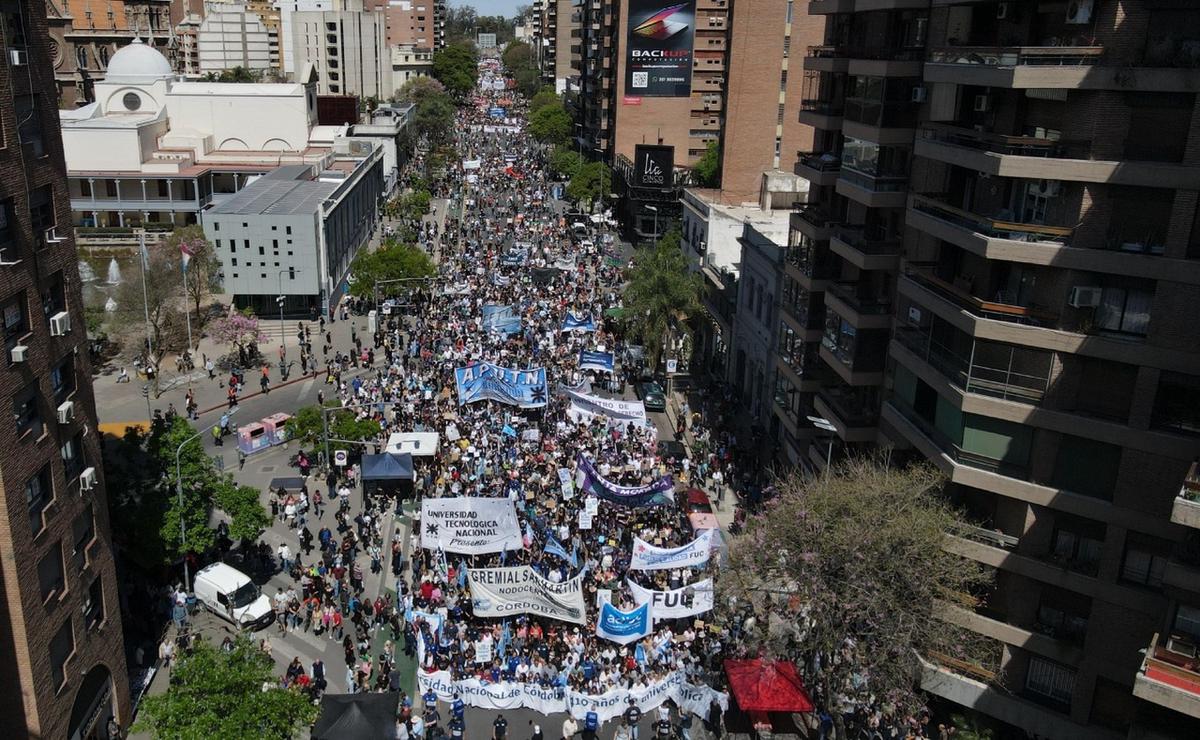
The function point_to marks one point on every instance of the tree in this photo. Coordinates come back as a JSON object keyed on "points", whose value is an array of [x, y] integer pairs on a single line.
{"points": [[242, 332], [592, 180], [202, 276], [551, 124], [456, 67], [662, 293], [218, 694], [412, 205], [707, 168], [544, 97], [235, 74], [391, 262], [517, 55], [433, 119], [307, 427], [565, 162], [247, 517], [157, 307], [846, 575], [528, 80], [419, 89]]}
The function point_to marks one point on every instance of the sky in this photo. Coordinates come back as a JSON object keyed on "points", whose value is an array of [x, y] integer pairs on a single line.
{"points": [[493, 7]]}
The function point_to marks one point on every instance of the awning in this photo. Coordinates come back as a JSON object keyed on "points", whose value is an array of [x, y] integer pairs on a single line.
{"points": [[774, 686], [357, 715], [417, 444], [388, 466]]}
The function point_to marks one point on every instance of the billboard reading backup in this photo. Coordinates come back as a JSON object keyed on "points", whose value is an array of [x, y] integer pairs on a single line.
{"points": [[659, 63], [653, 166]]}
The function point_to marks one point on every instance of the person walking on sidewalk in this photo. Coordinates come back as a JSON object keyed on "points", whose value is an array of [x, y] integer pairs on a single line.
{"points": [[265, 381]]}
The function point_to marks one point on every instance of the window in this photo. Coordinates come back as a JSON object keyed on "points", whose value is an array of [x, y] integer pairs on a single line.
{"points": [[1086, 466], [26, 412], [131, 100], [62, 648], [8, 233], [62, 379], [1051, 680], [53, 301], [93, 604], [163, 191], [1177, 403], [1077, 543], [216, 226], [1142, 565], [41, 211], [72, 456], [102, 52], [1187, 621], [15, 325], [217, 244], [50, 573], [1124, 310], [38, 496], [29, 124]]}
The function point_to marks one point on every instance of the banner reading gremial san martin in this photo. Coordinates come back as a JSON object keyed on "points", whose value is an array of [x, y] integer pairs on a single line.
{"points": [[505, 592], [660, 48], [681, 602], [649, 557], [470, 524]]}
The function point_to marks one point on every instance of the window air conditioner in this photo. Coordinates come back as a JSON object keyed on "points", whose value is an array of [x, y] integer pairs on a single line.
{"points": [[918, 94], [87, 479], [1045, 188], [66, 412], [60, 324], [981, 103], [18, 353], [1080, 11], [1084, 296]]}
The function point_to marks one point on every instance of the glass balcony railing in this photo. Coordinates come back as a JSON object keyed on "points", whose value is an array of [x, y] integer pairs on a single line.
{"points": [[1013, 56], [852, 408], [874, 183], [972, 377], [954, 449], [823, 107], [857, 237], [821, 162], [1020, 146], [997, 228], [862, 298]]}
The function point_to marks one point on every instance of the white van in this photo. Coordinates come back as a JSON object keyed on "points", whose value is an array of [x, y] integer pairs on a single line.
{"points": [[231, 595]]}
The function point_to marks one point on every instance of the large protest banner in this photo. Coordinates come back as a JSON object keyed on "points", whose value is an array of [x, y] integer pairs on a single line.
{"points": [[575, 322], [623, 627], [469, 524], [484, 381], [504, 592], [585, 407], [593, 360], [508, 695], [649, 557], [501, 319], [681, 602], [655, 494]]}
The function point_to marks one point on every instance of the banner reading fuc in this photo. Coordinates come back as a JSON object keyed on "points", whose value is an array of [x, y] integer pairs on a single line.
{"points": [[681, 602], [469, 524], [504, 592]]}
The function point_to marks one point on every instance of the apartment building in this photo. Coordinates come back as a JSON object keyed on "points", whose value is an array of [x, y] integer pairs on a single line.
{"points": [[558, 40], [439, 24], [62, 657], [236, 36], [408, 23], [347, 46], [997, 270]]}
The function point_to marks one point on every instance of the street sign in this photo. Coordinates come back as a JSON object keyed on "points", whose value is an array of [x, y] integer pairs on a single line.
{"points": [[672, 366], [340, 458], [823, 424]]}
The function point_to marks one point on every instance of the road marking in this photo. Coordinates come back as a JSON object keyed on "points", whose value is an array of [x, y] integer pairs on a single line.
{"points": [[306, 389]]}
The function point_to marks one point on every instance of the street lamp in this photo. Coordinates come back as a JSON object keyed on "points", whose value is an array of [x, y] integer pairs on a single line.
{"points": [[825, 425], [187, 579], [655, 210], [282, 331]]}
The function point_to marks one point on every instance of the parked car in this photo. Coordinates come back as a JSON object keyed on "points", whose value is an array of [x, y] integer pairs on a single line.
{"points": [[231, 595], [652, 396], [670, 448], [695, 501]]}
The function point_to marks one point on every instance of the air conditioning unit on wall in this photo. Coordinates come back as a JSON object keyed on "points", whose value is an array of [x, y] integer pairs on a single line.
{"points": [[1080, 11], [1084, 296]]}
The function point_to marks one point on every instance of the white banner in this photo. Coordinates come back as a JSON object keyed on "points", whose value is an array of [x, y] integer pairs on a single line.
{"points": [[470, 525], [585, 407], [504, 592], [483, 651], [472, 164], [681, 602], [649, 557], [607, 706]]}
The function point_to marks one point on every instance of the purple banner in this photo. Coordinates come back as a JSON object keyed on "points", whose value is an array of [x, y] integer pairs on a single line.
{"points": [[656, 494]]}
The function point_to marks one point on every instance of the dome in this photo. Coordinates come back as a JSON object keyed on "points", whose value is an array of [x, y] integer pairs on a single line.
{"points": [[138, 63]]}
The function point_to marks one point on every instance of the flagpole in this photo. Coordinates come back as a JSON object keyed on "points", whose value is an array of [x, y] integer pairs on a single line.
{"points": [[146, 308], [187, 311]]}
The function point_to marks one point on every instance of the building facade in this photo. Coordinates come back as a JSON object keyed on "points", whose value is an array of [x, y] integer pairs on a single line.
{"points": [[235, 36], [62, 656], [996, 271], [409, 62], [408, 22], [348, 48]]}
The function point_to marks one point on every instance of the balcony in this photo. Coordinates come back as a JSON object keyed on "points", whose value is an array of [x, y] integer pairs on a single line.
{"points": [[968, 375], [988, 236], [802, 372], [851, 415], [1186, 510], [814, 222], [959, 294], [897, 407], [852, 244], [1013, 66], [873, 191], [860, 305], [822, 114], [826, 59], [1170, 676], [818, 169]]}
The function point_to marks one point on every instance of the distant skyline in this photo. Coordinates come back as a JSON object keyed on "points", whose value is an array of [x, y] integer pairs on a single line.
{"points": [[507, 8]]}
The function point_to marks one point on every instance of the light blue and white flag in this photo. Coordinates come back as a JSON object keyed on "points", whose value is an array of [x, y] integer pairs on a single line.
{"points": [[592, 360], [575, 322], [623, 627], [554, 547], [501, 319]]}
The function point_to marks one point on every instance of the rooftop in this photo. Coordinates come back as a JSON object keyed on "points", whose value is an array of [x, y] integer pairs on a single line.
{"points": [[285, 191]]}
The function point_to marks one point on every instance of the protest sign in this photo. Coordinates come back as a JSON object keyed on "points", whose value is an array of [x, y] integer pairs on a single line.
{"points": [[483, 651], [585, 520], [623, 627], [585, 407], [649, 557], [575, 322], [470, 525], [501, 319], [502, 592], [655, 494], [688, 601], [484, 381], [592, 360]]}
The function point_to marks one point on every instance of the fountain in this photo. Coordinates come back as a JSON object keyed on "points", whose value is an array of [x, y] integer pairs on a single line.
{"points": [[86, 273], [110, 305], [114, 272]]}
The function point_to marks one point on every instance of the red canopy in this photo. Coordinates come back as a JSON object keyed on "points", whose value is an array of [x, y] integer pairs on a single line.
{"points": [[774, 686]]}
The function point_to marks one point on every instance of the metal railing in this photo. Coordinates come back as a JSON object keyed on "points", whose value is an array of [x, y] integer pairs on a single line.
{"points": [[1190, 489], [1022, 146], [873, 305], [992, 537], [874, 183], [853, 412], [820, 161], [1012, 56], [823, 107], [987, 226], [856, 236], [963, 372]]}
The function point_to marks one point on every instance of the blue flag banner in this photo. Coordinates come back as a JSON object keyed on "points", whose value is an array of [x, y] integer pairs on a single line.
{"points": [[515, 257], [623, 627], [575, 322], [554, 547], [502, 319], [591, 360], [484, 381], [655, 494]]}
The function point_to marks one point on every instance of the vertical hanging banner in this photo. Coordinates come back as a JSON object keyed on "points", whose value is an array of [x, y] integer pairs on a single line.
{"points": [[659, 45]]}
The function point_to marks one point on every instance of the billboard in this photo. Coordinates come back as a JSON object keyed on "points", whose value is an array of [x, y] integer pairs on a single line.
{"points": [[659, 48], [653, 166]]}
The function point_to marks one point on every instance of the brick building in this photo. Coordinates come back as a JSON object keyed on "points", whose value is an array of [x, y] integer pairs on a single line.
{"points": [[997, 270], [62, 660]]}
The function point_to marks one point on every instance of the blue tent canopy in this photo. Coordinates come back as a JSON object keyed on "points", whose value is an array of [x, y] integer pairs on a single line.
{"points": [[388, 466]]}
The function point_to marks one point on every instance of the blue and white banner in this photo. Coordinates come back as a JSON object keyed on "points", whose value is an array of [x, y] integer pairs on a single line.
{"points": [[592, 360], [496, 112], [501, 280], [584, 406], [508, 592], [472, 525], [623, 627], [688, 601], [501, 319], [575, 322], [649, 557], [515, 257], [487, 382], [655, 494]]}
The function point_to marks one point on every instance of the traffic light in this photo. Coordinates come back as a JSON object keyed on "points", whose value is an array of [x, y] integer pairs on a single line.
{"points": [[146, 390]]}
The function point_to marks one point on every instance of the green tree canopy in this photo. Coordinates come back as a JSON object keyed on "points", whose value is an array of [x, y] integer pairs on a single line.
{"points": [[393, 262], [707, 169], [217, 694], [307, 427], [517, 55], [590, 181], [848, 575], [433, 119], [550, 124], [202, 276], [544, 97], [565, 162], [456, 67], [418, 89], [660, 296]]}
